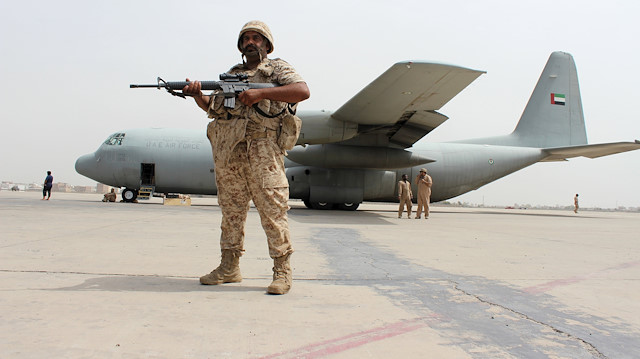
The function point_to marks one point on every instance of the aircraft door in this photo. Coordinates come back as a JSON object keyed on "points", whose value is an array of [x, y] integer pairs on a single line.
{"points": [[148, 174]]}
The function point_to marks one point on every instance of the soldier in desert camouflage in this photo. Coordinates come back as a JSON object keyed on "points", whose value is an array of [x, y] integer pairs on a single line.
{"points": [[249, 163]]}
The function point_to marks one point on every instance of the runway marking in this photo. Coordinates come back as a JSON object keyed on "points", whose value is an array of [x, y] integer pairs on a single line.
{"points": [[544, 287], [337, 345]]}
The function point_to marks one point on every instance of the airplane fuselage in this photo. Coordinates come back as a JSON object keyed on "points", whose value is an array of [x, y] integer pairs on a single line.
{"points": [[181, 161]]}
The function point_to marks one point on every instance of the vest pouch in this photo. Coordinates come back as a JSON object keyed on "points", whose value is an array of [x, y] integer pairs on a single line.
{"points": [[289, 131]]}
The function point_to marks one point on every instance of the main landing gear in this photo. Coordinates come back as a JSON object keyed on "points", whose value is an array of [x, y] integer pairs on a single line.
{"points": [[129, 195], [329, 205]]}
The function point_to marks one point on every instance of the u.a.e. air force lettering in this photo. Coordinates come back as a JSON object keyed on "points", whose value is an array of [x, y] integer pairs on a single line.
{"points": [[172, 145]]}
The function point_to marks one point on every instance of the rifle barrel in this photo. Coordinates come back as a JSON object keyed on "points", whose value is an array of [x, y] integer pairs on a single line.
{"points": [[134, 86], [206, 85], [178, 85]]}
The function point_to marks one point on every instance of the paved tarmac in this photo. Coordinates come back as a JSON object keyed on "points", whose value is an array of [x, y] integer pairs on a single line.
{"points": [[84, 279]]}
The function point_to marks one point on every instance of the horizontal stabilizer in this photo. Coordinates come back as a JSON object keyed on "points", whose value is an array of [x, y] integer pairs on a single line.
{"points": [[590, 151]]}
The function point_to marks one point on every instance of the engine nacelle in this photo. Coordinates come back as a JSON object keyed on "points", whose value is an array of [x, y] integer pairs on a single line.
{"points": [[320, 127], [360, 157]]}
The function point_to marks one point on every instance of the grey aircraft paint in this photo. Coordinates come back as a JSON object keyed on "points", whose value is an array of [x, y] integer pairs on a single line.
{"points": [[359, 152]]}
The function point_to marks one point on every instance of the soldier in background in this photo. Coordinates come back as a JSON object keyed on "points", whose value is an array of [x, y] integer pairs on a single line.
{"points": [[249, 164], [404, 195], [424, 182], [110, 197], [575, 204]]}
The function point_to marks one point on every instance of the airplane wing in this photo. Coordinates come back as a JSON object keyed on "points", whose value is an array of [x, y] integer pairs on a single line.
{"points": [[590, 151], [401, 104]]}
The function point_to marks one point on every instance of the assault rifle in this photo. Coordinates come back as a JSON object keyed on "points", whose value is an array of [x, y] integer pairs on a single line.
{"points": [[230, 85]]}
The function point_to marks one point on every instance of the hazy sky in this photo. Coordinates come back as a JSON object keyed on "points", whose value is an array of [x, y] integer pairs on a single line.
{"points": [[66, 66]]}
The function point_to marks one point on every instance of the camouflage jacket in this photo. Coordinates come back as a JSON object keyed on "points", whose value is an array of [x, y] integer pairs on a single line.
{"points": [[231, 126]]}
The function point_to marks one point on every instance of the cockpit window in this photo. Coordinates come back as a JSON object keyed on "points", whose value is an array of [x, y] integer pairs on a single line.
{"points": [[115, 139]]}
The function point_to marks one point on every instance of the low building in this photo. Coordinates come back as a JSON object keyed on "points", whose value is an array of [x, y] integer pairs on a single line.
{"points": [[83, 189], [61, 187], [103, 188]]}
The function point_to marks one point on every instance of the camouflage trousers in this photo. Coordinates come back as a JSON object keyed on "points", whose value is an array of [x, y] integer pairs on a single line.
{"points": [[254, 172]]}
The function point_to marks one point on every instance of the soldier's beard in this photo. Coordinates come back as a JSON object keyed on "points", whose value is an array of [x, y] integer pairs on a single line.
{"points": [[252, 52]]}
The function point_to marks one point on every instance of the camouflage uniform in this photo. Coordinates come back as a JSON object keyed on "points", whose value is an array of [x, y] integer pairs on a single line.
{"points": [[405, 196], [249, 164], [424, 192]]}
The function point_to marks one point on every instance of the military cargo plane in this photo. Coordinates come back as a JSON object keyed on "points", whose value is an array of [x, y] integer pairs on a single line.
{"points": [[359, 152]]}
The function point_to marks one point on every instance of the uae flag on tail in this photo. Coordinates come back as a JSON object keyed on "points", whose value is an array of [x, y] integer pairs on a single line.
{"points": [[557, 99]]}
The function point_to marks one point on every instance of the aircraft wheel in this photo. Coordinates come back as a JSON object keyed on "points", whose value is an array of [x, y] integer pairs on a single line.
{"points": [[348, 206], [129, 195], [321, 205], [307, 203]]}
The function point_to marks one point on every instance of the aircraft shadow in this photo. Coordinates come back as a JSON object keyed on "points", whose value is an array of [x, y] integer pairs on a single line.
{"points": [[319, 216]]}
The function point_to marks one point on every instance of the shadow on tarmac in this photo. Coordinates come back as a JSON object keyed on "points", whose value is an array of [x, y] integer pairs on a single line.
{"points": [[312, 216], [125, 283]]}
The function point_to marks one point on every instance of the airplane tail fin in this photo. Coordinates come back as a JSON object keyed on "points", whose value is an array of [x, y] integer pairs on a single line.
{"points": [[553, 116]]}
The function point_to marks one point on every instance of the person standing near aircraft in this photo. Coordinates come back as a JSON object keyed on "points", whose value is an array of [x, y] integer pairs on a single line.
{"points": [[424, 183], [404, 195], [48, 183], [248, 162], [575, 204]]}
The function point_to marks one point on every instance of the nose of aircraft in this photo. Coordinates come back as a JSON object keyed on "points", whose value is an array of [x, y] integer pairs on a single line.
{"points": [[86, 165]]}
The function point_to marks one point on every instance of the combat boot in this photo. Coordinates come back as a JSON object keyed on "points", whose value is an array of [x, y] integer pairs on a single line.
{"points": [[227, 272], [282, 275]]}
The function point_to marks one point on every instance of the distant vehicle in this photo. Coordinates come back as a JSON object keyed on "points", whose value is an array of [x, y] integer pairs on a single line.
{"points": [[360, 151], [15, 188]]}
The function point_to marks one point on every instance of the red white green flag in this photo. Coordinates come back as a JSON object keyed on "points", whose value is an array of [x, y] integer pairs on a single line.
{"points": [[557, 99]]}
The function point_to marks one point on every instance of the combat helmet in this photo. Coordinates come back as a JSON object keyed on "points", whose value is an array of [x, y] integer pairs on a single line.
{"points": [[259, 27]]}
